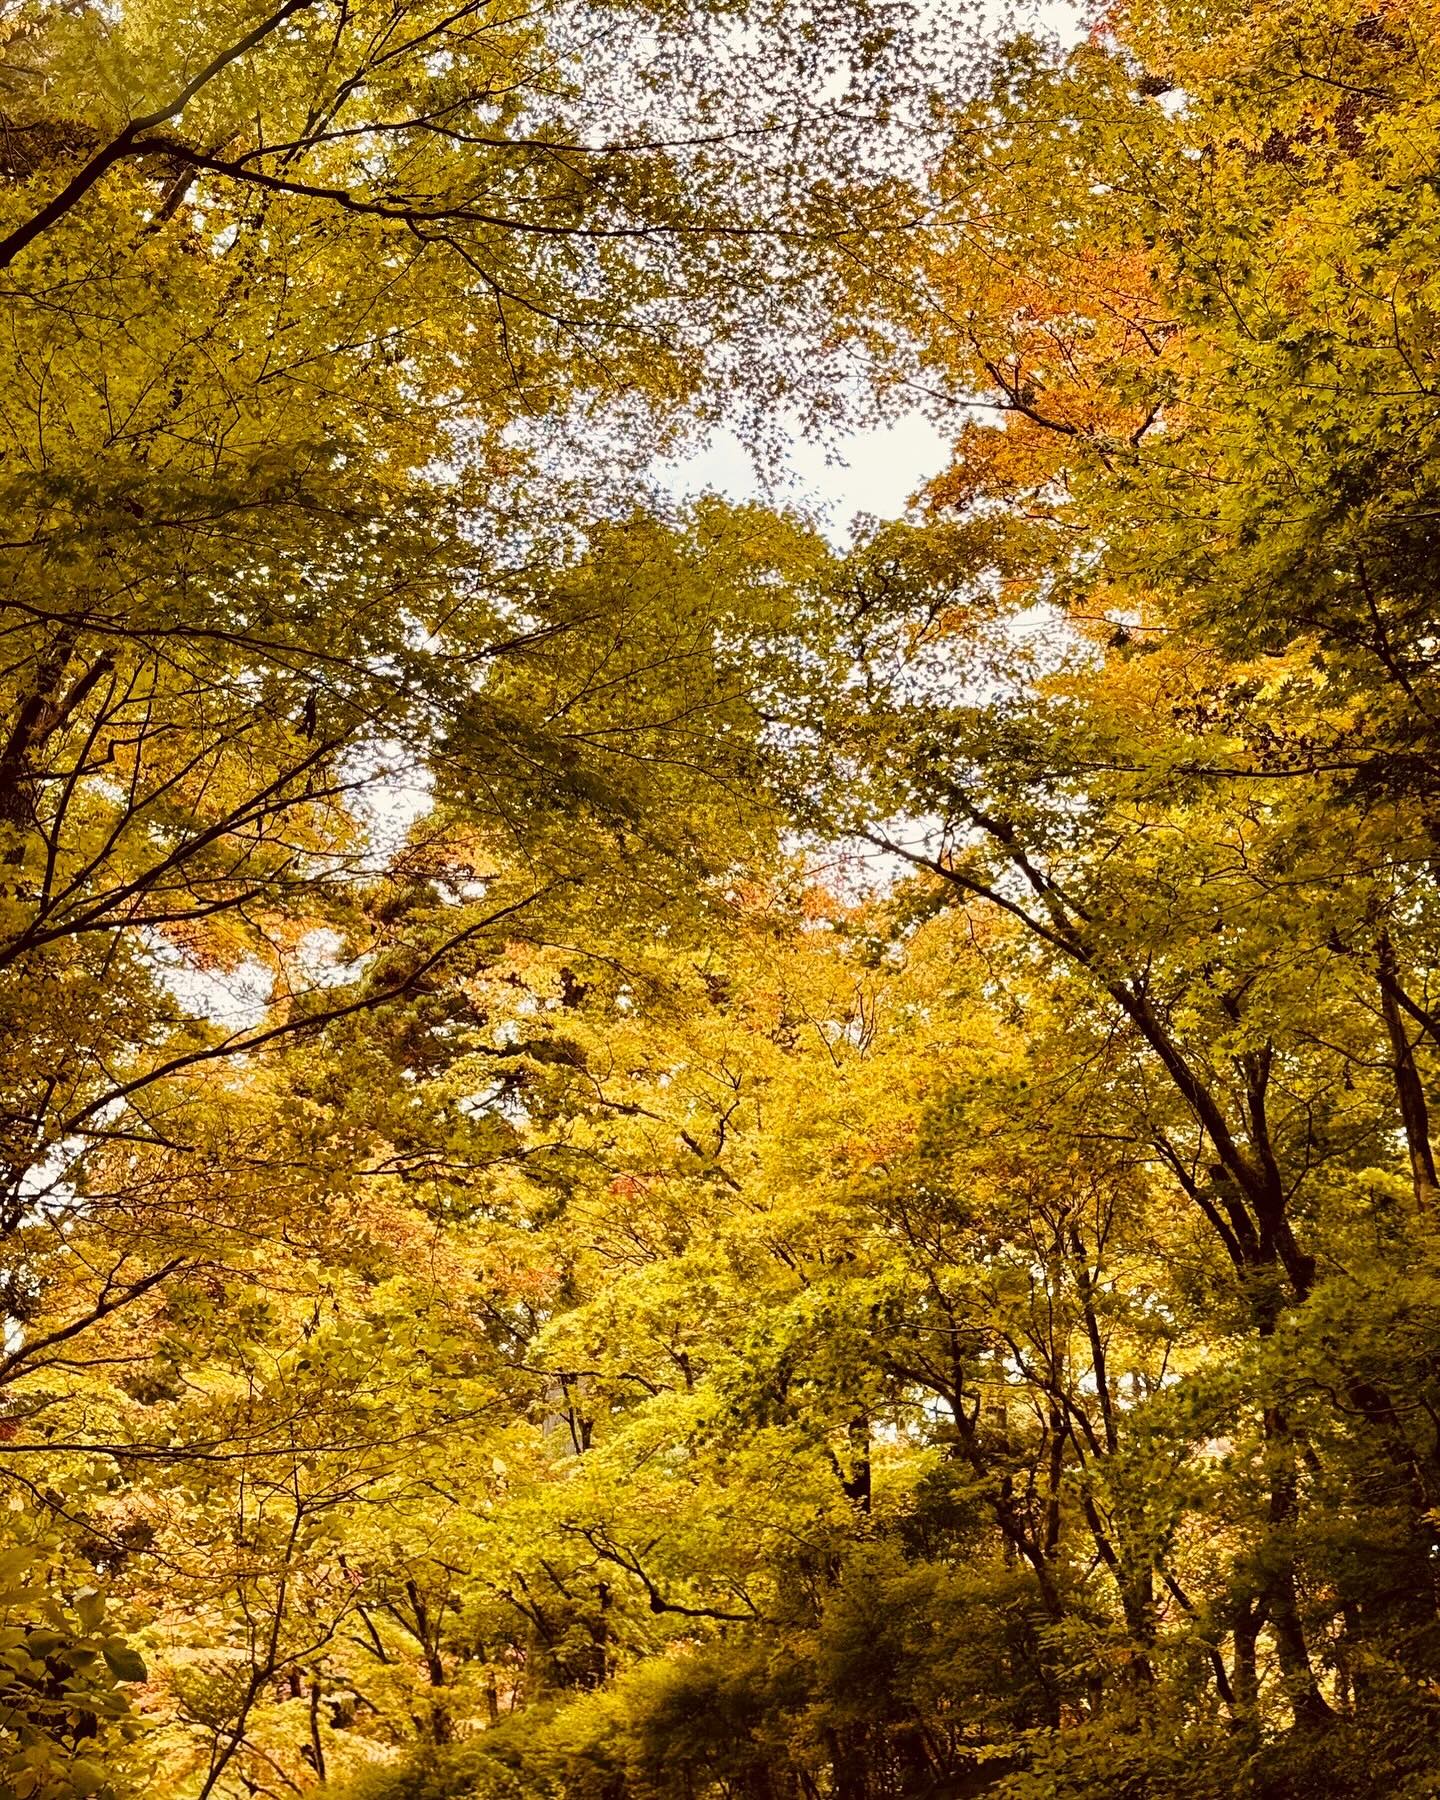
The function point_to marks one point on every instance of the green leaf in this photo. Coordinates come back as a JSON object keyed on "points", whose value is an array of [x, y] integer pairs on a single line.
{"points": [[90, 1608], [125, 1663]]}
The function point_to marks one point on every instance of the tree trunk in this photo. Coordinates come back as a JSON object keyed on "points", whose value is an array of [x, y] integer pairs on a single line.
{"points": [[1409, 1089]]}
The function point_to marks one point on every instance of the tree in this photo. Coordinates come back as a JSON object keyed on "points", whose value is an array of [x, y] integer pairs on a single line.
{"points": [[342, 643], [839, 1200]]}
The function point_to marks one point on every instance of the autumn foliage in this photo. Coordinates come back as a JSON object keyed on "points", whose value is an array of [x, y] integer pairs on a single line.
{"points": [[641, 1157]]}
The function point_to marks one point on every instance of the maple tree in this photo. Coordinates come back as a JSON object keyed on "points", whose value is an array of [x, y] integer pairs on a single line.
{"points": [[642, 1157]]}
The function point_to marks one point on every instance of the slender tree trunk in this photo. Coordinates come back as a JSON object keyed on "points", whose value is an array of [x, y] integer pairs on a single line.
{"points": [[1245, 1669], [1409, 1089], [1310, 1708], [847, 1768], [317, 1749]]}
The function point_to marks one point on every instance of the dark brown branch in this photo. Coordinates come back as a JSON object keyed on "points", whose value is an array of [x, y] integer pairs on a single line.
{"points": [[126, 143]]}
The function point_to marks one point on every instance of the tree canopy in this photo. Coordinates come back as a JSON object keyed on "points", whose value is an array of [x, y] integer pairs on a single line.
{"points": [[644, 1157]]}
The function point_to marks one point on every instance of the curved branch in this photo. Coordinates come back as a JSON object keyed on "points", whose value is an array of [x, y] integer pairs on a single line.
{"points": [[127, 142]]}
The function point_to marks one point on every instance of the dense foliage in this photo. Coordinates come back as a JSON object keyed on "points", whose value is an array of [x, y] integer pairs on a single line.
{"points": [[642, 1159]]}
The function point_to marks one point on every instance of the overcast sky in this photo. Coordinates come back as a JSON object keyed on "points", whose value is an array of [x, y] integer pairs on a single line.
{"points": [[874, 471]]}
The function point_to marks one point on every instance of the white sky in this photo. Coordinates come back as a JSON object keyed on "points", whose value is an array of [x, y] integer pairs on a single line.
{"points": [[872, 471]]}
